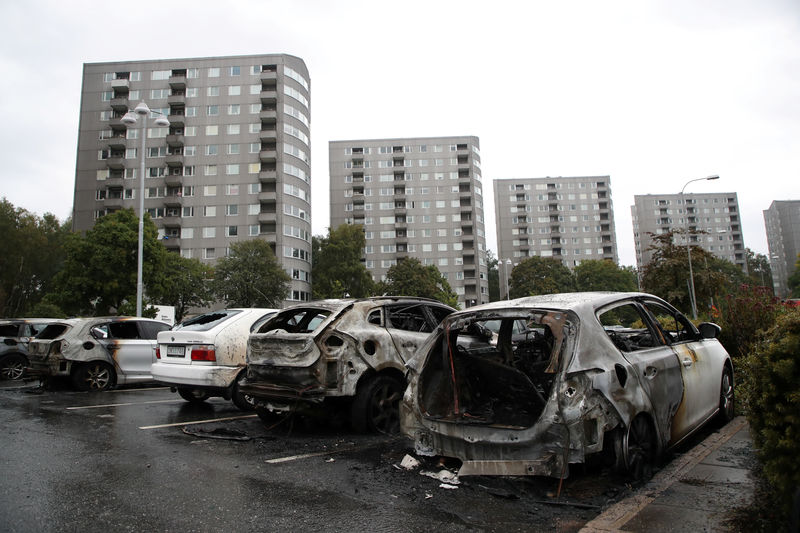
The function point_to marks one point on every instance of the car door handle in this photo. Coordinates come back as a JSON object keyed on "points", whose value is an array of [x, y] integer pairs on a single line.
{"points": [[687, 362], [650, 372]]}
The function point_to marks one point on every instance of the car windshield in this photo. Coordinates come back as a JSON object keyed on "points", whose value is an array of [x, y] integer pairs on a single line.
{"points": [[302, 320], [207, 321]]}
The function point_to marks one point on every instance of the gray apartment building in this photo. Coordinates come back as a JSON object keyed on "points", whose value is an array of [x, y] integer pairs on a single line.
{"points": [[415, 197], [782, 221], [715, 214], [233, 164], [566, 218]]}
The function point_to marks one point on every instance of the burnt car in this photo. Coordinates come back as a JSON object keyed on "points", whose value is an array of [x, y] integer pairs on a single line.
{"points": [[96, 353], [351, 354], [15, 334], [617, 377]]}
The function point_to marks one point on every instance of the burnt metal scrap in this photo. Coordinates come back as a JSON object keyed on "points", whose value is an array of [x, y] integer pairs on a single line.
{"points": [[560, 379]]}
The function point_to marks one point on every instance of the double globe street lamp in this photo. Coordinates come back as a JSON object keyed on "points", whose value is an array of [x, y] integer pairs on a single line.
{"points": [[130, 119], [688, 243]]}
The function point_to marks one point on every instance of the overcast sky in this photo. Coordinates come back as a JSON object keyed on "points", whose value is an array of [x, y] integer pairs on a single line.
{"points": [[651, 93]]}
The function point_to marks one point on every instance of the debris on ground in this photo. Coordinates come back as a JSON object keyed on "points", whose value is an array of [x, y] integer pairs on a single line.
{"points": [[217, 433], [409, 462], [445, 476]]}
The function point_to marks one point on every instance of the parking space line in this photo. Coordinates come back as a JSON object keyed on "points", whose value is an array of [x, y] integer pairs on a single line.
{"points": [[174, 400], [329, 452], [139, 390], [198, 422]]}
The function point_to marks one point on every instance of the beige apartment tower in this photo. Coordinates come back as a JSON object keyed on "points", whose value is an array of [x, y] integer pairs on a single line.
{"points": [[566, 218], [415, 197], [234, 163], [714, 214]]}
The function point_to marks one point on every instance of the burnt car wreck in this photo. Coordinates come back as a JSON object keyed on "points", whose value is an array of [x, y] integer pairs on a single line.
{"points": [[530, 386]]}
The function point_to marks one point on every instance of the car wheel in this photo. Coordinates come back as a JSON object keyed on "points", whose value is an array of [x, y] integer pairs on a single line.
{"points": [[242, 401], [637, 450], [13, 366], [376, 406], [193, 395], [726, 396], [94, 376]]}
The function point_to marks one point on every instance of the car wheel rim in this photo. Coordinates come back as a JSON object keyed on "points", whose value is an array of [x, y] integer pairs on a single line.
{"points": [[640, 449], [97, 377], [13, 370], [384, 413], [726, 396]]}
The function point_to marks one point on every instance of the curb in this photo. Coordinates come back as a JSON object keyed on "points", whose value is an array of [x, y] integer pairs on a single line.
{"points": [[619, 514]]}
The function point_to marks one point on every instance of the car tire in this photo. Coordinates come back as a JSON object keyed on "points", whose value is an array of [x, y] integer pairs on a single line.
{"points": [[636, 449], [94, 376], [242, 401], [195, 396], [376, 405], [13, 366], [727, 407]]}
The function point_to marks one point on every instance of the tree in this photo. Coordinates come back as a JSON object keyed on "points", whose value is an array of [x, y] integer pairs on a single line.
{"points": [[100, 270], [337, 268], [758, 268], [184, 283], [603, 275], [250, 276], [494, 276], [410, 278], [793, 282], [540, 275], [33, 252], [667, 274]]}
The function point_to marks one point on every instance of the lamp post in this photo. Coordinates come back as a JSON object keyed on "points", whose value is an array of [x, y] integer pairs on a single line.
{"points": [[688, 244], [508, 268], [129, 120]]}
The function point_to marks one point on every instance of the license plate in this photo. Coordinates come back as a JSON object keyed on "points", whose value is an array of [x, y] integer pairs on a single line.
{"points": [[175, 351]]}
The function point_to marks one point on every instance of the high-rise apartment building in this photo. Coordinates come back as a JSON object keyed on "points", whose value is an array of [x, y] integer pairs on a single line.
{"points": [[570, 219], [714, 214], [782, 221], [233, 164], [417, 197]]}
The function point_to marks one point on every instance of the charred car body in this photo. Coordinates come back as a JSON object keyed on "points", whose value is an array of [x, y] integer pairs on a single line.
{"points": [[205, 355], [96, 353], [15, 334], [353, 351], [619, 376]]}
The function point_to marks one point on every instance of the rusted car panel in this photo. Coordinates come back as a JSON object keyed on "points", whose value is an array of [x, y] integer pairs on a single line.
{"points": [[592, 366], [122, 347], [332, 348], [15, 335]]}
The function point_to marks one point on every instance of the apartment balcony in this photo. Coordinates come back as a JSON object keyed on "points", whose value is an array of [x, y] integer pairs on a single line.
{"points": [[172, 222], [268, 218], [120, 104], [113, 203], [114, 183], [175, 141], [176, 120], [268, 116], [117, 142], [173, 201], [177, 81], [115, 123], [268, 176], [120, 85], [173, 180], [174, 160], [171, 242], [269, 77], [267, 197], [268, 135], [116, 163], [269, 96], [175, 99], [268, 156]]}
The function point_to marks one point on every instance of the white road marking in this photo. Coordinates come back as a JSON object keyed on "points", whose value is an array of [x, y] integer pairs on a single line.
{"points": [[198, 422], [174, 400], [318, 454], [139, 390]]}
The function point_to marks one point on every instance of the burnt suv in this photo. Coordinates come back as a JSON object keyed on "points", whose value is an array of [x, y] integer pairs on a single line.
{"points": [[15, 334], [345, 353]]}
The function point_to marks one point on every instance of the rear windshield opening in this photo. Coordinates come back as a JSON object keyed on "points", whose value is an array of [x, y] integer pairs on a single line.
{"points": [[296, 320], [53, 331], [501, 369], [206, 321]]}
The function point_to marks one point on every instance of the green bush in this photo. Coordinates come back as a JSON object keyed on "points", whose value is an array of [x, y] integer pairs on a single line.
{"points": [[744, 315], [773, 395]]}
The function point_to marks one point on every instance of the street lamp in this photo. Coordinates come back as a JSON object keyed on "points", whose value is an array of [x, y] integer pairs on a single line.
{"points": [[129, 120], [508, 267], [688, 244]]}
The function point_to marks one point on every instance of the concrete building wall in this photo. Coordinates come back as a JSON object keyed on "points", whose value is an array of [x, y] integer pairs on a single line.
{"points": [[782, 222], [716, 214], [567, 218], [416, 197], [234, 164]]}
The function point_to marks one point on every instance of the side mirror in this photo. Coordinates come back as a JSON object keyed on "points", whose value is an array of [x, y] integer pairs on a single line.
{"points": [[709, 330]]}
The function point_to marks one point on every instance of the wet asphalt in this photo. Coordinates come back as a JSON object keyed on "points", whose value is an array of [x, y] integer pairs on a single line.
{"points": [[137, 460]]}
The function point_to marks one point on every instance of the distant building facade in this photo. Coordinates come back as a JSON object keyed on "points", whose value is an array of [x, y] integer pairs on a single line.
{"points": [[415, 197], [234, 164], [782, 221], [716, 214], [567, 218]]}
